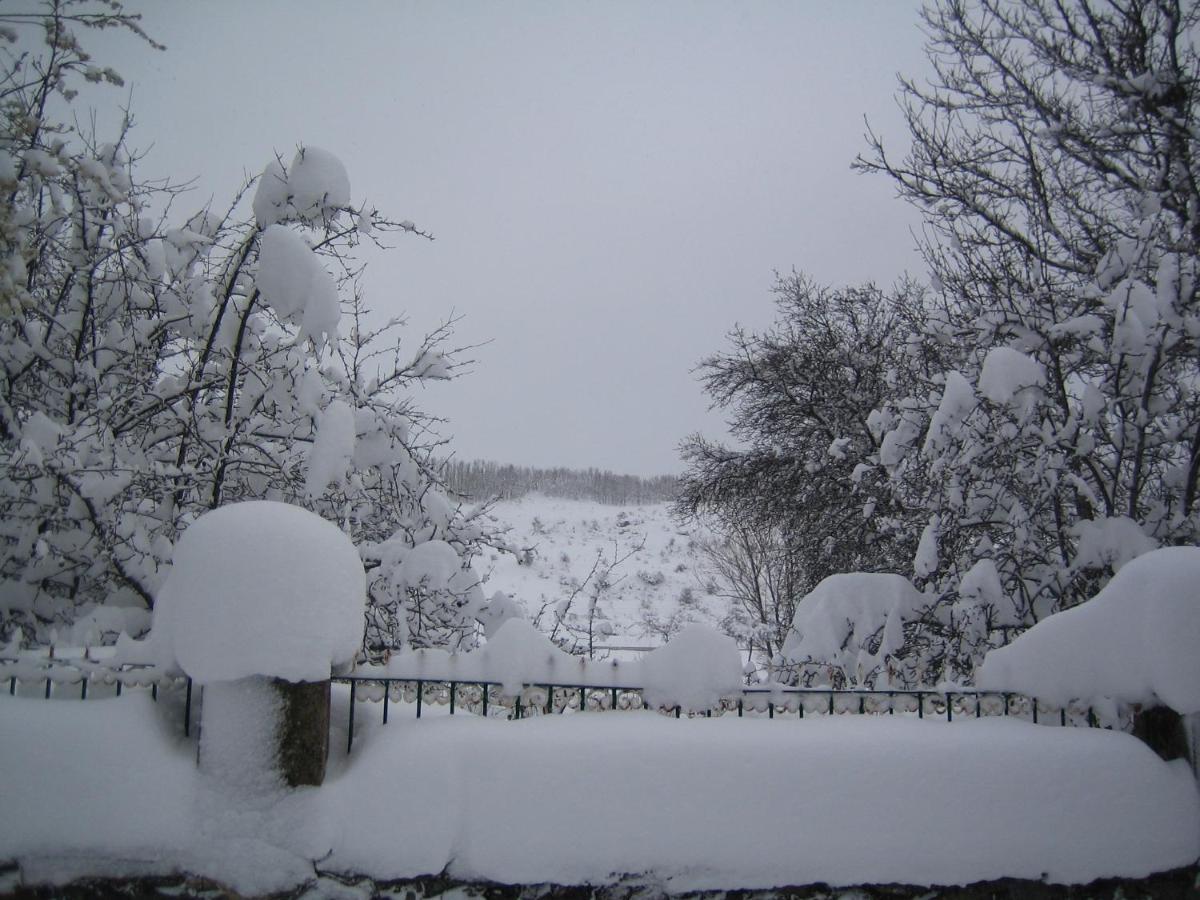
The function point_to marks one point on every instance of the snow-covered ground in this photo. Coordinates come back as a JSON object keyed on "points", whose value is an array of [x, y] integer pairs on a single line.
{"points": [[658, 585], [109, 786]]}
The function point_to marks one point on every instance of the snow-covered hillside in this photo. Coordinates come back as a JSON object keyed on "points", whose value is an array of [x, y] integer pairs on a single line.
{"points": [[634, 574]]}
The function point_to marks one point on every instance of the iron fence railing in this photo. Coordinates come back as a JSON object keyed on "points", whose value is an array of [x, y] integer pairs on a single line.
{"points": [[488, 698], [55, 675]]}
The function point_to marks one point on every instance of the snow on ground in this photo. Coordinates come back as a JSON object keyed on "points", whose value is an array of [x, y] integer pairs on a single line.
{"points": [[108, 786], [658, 590]]}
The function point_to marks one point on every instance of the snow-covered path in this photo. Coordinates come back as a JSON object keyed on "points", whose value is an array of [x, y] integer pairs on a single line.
{"points": [[106, 787]]}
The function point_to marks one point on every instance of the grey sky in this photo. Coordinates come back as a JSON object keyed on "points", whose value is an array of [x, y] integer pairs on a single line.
{"points": [[611, 184]]}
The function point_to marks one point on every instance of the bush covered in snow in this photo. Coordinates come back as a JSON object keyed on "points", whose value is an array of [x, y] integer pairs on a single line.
{"points": [[1136, 641], [155, 369]]}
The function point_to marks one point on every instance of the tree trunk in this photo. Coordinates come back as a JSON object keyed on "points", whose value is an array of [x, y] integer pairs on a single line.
{"points": [[303, 737]]}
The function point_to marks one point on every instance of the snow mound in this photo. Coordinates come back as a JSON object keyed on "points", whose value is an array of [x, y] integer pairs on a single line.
{"points": [[694, 670], [318, 183], [315, 187], [694, 804], [500, 608], [1007, 372], [834, 623], [332, 449], [518, 654], [1135, 641], [1110, 542], [295, 285], [262, 588]]}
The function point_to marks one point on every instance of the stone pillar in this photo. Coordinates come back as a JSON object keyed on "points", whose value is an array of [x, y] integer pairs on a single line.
{"points": [[303, 737]]}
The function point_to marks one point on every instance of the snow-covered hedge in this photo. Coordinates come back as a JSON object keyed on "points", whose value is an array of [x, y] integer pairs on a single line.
{"points": [[1137, 641]]}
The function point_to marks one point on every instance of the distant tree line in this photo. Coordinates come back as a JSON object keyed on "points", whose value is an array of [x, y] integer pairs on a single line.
{"points": [[484, 479]]}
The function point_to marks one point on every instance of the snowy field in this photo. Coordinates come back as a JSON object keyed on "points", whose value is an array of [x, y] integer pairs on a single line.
{"points": [[683, 804], [656, 580]]}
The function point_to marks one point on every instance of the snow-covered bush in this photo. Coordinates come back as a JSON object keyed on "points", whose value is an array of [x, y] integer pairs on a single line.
{"points": [[852, 631], [151, 371], [694, 670], [1135, 642]]}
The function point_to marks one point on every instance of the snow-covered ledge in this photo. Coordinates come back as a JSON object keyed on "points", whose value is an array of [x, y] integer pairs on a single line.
{"points": [[262, 601], [1136, 642]]}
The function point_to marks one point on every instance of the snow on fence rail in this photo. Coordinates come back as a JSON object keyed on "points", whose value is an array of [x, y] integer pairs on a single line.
{"points": [[774, 700], [57, 672]]}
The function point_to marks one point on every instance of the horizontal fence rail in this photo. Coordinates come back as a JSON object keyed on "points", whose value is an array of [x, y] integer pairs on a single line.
{"points": [[61, 675], [487, 698]]}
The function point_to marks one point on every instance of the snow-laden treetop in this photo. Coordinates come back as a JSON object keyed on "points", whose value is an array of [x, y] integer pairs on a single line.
{"points": [[262, 588], [1136, 641]]}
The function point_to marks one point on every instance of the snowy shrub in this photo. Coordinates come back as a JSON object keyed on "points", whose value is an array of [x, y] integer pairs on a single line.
{"points": [[652, 579], [154, 370], [695, 670], [1134, 642]]}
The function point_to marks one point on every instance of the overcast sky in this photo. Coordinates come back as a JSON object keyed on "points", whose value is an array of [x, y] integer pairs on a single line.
{"points": [[611, 185]]}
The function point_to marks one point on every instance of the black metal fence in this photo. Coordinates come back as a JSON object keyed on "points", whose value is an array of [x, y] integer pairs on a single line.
{"points": [[56, 676], [487, 698]]}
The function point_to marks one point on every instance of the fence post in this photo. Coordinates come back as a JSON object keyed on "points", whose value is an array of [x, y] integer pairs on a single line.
{"points": [[187, 710], [350, 729]]}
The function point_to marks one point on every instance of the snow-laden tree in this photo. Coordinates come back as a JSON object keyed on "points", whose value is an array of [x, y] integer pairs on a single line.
{"points": [[799, 397], [1054, 154], [151, 372]]}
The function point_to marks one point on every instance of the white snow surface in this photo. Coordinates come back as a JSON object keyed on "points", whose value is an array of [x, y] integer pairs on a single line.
{"points": [[958, 399], [1135, 641], [834, 621], [262, 588], [318, 183], [693, 670], [295, 284], [1110, 541], [332, 449], [315, 186], [1007, 372], [662, 586], [681, 804]]}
